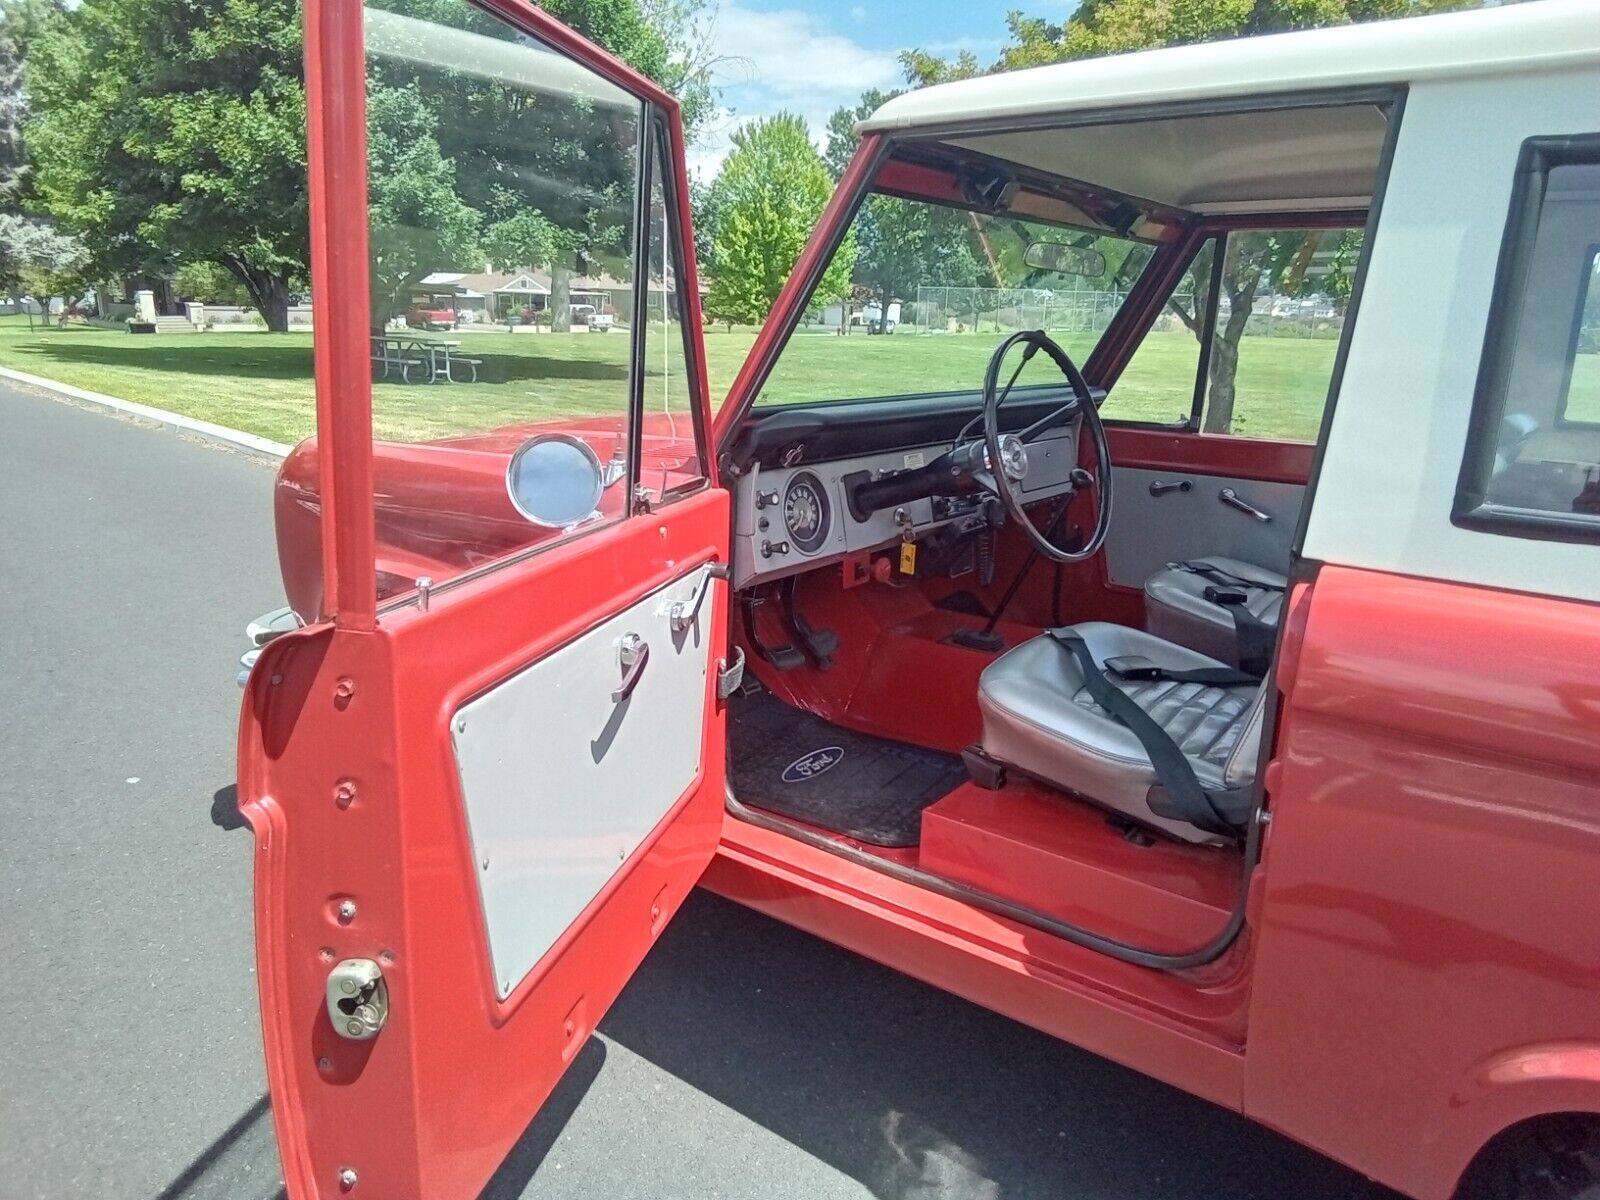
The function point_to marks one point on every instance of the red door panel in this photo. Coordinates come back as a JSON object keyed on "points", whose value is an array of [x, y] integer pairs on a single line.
{"points": [[1430, 911], [349, 780], [1210, 454]]}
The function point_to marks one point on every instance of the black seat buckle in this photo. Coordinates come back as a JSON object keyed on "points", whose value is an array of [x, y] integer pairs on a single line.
{"points": [[1225, 596], [1134, 666]]}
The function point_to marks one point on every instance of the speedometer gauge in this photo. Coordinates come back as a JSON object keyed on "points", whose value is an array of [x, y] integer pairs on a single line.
{"points": [[805, 512]]}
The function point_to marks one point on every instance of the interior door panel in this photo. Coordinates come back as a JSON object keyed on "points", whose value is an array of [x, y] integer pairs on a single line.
{"points": [[552, 817], [1162, 515]]}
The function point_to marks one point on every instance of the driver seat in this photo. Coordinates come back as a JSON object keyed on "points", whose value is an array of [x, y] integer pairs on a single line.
{"points": [[1039, 718]]}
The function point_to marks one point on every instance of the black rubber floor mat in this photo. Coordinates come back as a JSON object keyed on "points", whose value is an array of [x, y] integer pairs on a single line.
{"points": [[798, 765]]}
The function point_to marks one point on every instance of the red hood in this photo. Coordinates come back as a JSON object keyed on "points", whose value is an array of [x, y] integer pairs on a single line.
{"points": [[442, 506]]}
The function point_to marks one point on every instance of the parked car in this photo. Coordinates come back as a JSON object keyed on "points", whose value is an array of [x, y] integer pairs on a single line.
{"points": [[1236, 723], [422, 317], [593, 318]]}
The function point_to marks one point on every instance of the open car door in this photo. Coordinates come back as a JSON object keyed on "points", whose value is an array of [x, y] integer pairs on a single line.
{"points": [[477, 797]]}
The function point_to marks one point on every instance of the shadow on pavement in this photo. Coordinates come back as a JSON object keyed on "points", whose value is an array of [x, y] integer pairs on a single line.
{"points": [[510, 1181], [242, 1164], [225, 812], [917, 1093]]}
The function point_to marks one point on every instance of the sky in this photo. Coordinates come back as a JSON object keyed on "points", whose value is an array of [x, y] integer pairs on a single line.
{"points": [[784, 55]]}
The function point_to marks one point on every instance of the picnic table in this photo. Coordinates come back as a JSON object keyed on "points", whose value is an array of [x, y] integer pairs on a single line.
{"points": [[432, 360]]}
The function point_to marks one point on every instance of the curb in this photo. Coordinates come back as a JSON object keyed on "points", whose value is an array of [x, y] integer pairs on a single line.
{"points": [[172, 420]]}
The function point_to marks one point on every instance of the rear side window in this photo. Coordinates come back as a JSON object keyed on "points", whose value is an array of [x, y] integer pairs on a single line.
{"points": [[1532, 463]]}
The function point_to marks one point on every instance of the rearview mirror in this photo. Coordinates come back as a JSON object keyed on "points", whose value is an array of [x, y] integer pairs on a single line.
{"points": [[1064, 259], [555, 480]]}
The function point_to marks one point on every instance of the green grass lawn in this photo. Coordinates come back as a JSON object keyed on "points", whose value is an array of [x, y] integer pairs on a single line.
{"points": [[262, 383]]}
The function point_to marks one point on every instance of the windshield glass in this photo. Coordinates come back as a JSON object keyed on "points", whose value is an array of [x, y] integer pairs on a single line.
{"points": [[919, 294]]}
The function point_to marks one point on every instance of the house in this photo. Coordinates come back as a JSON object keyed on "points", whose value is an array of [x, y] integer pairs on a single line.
{"points": [[491, 296]]}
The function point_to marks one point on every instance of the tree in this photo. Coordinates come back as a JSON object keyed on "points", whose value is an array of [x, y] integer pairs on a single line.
{"points": [[842, 136], [170, 132], [41, 261], [21, 22], [173, 131], [768, 197], [903, 245], [1098, 27]]}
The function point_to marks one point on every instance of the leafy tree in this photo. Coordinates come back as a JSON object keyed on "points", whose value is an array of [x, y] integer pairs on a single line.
{"points": [[842, 136], [417, 221], [768, 196], [173, 131], [41, 261], [903, 245], [511, 149], [166, 132], [21, 22], [1098, 27]]}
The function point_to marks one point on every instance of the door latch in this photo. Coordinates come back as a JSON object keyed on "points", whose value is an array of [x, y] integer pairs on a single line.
{"points": [[358, 999]]}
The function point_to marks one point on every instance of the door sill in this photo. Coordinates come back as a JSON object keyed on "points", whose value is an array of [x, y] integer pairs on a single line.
{"points": [[1123, 951]]}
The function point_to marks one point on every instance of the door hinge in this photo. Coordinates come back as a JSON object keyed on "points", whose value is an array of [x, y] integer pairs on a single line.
{"points": [[730, 674]]}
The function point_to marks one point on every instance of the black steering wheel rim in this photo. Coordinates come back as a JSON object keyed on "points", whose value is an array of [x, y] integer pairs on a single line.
{"points": [[1008, 489]]}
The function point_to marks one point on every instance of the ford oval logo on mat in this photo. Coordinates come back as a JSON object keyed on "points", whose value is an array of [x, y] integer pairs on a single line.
{"points": [[809, 766]]}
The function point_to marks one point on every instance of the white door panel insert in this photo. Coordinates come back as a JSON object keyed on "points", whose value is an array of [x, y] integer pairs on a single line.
{"points": [[562, 783]]}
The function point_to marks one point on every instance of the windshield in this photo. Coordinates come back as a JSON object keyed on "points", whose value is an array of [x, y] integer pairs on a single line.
{"points": [[919, 294]]}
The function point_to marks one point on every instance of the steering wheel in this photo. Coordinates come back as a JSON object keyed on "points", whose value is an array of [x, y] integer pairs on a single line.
{"points": [[1008, 454]]}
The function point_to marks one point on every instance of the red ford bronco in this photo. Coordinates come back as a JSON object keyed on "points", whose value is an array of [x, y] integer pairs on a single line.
{"points": [[1183, 636]]}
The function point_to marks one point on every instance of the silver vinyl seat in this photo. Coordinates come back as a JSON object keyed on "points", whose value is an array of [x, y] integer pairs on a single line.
{"points": [[1040, 719], [1176, 608]]}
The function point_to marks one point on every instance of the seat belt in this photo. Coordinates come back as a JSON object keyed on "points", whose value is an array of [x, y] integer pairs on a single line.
{"points": [[1256, 639], [1217, 811]]}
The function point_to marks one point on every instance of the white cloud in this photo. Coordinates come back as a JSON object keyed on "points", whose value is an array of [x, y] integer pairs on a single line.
{"points": [[783, 61], [787, 53]]}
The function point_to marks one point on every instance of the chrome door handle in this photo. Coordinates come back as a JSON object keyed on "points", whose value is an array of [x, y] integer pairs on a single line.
{"points": [[1160, 487], [634, 654], [682, 613], [1232, 499]]}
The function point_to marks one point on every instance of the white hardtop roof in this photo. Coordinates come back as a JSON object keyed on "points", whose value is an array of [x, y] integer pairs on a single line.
{"points": [[1546, 35]]}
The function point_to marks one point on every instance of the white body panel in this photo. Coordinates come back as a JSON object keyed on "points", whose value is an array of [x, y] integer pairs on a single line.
{"points": [[1477, 45], [1388, 480], [561, 784]]}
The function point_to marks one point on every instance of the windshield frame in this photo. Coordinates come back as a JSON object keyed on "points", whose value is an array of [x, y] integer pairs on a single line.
{"points": [[914, 179]]}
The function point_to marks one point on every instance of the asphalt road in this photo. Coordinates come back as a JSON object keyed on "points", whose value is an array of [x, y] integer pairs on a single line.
{"points": [[745, 1060]]}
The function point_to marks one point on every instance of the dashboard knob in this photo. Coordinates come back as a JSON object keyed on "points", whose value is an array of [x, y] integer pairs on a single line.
{"points": [[766, 499], [769, 548]]}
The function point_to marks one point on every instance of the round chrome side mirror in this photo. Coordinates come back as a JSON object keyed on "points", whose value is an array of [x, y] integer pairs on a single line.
{"points": [[555, 480]]}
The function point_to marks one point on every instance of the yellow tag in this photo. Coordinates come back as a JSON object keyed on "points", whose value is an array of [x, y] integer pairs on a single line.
{"points": [[908, 558]]}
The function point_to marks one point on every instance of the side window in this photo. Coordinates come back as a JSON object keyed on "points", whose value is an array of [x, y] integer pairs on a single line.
{"points": [[1246, 350], [1158, 385], [670, 455], [1532, 462], [503, 194], [1280, 311]]}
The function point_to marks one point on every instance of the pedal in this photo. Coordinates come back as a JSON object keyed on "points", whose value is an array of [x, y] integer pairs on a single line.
{"points": [[990, 641]]}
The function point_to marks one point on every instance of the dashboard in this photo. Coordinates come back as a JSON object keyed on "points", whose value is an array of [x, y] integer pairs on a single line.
{"points": [[791, 508]]}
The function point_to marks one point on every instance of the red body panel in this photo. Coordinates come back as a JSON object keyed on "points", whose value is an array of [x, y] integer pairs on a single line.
{"points": [[394, 1108], [1426, 973], [1170, 1026]]}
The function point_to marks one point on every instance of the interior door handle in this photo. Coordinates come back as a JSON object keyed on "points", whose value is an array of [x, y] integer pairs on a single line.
{"points": [[1160, 487], [682, 613], [634, 654], [1232, 499]]}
